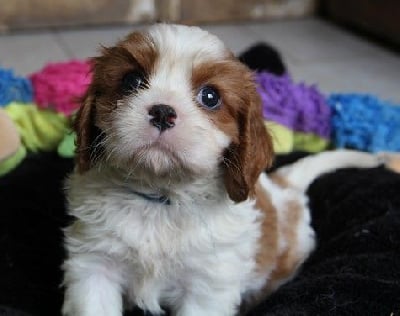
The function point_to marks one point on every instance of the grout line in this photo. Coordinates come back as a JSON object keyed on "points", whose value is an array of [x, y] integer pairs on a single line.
{"points": [[63, 44]]}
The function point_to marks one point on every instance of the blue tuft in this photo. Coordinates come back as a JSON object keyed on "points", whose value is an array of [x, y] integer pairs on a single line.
{"points": [[364, 122], [13, 88]]}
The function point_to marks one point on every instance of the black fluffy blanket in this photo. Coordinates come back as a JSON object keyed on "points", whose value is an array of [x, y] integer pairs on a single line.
{"points": [[355, 269]]}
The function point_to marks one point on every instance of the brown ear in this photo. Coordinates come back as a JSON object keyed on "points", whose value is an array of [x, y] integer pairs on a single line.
{"points": [[86, 132], [249, 157]]}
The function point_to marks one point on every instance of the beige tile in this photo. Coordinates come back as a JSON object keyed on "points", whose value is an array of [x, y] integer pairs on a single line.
{"points": [[380, 77], [236, 37], [309, 40], [27, 53], [315, 51], [86, 43]]}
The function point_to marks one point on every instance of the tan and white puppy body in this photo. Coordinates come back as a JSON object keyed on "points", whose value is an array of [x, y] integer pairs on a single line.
{"points": [[171, 204]]}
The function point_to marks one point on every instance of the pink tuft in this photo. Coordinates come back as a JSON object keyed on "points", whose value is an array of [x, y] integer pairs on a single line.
{"points": [[60, 85]]}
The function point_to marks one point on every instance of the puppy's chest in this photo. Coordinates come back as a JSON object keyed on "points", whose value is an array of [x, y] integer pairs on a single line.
{"points": [[156, 236], [163, 247]]}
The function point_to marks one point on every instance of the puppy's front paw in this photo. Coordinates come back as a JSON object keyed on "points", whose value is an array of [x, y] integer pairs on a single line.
{"points": [[92, 287], [215, 306]]}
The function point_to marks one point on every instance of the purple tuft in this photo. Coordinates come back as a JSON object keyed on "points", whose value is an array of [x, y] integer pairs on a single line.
{"points": [[297, 106]]}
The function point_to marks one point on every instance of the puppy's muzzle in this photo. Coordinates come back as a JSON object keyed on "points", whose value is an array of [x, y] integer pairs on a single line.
{"points": [[163, 116]]}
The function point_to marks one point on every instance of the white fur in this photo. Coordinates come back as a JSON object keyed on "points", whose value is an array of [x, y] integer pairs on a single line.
{"points": [[305, 236], [196, 255], [195, 46], [303, 172]]}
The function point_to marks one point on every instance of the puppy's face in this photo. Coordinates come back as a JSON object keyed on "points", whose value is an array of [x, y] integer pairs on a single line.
{"points": [[174, 102]]}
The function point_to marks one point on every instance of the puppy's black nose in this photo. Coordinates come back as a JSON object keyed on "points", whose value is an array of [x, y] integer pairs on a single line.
{"points": [[163, 116]]}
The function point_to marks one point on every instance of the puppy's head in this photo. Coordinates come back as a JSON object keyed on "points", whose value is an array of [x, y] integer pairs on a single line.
{"points": [[174, 102]]}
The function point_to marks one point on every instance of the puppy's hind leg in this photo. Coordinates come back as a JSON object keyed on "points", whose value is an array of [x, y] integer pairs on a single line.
{"points": [[391, 160], [304, 171]]}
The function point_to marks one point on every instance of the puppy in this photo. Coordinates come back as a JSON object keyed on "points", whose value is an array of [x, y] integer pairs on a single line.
{"points": [[170, 201]]}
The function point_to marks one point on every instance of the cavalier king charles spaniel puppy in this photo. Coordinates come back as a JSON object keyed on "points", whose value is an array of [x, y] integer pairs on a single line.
{"points": [[170, 203]]}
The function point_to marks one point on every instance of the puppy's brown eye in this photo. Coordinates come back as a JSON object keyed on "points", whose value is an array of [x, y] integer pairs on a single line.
{"points": [[132, 81], [209, 97]]}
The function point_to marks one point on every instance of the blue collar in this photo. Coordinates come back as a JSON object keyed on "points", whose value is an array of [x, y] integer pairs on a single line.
{"points": [[155, 198]]}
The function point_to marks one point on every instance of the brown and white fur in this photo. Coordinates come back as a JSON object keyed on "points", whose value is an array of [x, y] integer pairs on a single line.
{"points": [[229, 233]]}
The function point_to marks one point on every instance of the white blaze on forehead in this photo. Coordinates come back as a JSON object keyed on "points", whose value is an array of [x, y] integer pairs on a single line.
{"points": [[180, 49], [182, 43]]}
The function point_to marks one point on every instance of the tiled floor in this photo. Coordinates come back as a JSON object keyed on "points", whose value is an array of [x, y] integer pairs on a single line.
{"points": [[314, 50]]}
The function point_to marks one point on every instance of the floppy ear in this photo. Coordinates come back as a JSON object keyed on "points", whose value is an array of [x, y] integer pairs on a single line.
{"points": [[86, 131], [245, 160]]}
